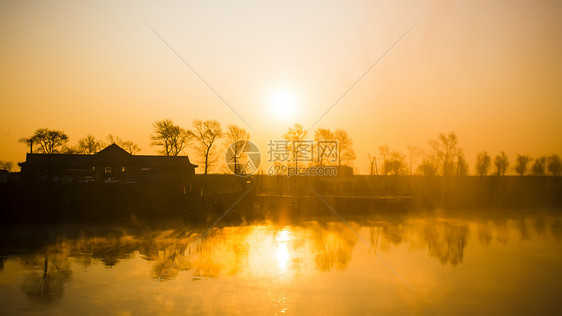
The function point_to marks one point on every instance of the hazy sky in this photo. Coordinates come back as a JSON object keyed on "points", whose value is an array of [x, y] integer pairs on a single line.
{"points": [[488, 70]]}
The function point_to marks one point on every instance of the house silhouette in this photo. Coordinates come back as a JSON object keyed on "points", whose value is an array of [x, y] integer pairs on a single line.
{"points": [[113, 164]]}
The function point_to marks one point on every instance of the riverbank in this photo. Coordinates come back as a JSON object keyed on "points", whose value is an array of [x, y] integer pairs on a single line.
{"points": [[207, 197]]}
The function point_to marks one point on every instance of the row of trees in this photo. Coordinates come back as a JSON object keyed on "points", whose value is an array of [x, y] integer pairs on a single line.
{"points": [[173, 139], [501, 163], [47, 141], [170, 138], [344, 148], [447, 158]]}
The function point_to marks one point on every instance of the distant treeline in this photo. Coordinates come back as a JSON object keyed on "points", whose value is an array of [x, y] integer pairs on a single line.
{"points": [[445, 156]]}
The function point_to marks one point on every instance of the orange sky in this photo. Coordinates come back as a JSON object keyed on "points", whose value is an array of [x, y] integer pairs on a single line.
{"points": [[488, 70]]}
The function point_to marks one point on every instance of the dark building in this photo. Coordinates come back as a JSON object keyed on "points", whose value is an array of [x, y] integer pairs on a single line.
{"points": [[111, 165]]}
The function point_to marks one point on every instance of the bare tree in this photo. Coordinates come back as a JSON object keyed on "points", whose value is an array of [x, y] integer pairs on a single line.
{"points": [[393, 161], [345, 146], [206, 133], [322, 135], [295, 134], [396, 163], [521, 164], [554, 165], [373, 169], [429, 165], [446, 148], [501, 162], [89, 145], [483, 161], [130, 147], [237, 139], [172, 138], [127, 145], [539, 166], [113, 139], [414, 153], [70, 150], [384, 153], [49, 141]]}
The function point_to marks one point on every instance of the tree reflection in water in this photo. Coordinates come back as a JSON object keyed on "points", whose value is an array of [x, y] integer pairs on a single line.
{"points": [[46, 277], [264, 251], [445, 241], [333, 244]]}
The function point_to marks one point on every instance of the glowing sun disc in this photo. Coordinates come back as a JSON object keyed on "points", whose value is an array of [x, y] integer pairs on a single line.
{"points": [[283, 104]]}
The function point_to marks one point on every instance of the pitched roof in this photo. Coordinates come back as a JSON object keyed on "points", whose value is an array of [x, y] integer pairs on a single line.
{"points": [[111, 154], [113, 149]]}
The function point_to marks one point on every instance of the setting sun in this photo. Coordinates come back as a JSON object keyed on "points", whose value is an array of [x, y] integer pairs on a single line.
{"points": [[284, 104], [281, 157]]}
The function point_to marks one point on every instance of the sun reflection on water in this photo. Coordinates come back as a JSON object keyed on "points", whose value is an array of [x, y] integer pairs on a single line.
{"points": [[282, 257], [282, 254], [275, 269], [283, 235]]}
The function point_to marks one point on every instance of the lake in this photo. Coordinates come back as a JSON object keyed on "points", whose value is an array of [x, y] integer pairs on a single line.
{"points": [[482, 262]]}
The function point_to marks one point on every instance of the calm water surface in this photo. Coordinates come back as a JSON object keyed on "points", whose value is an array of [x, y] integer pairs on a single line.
{"points": [[508, 264]]}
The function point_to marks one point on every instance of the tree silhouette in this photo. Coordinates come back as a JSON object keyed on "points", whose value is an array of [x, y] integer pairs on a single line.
{"points": [[539, 166], [446, 148], [128, 145], [237, 140], [373, 168], [501, 162], [395, 164], [414, 153], [384, 153], [554, 166], [429, 165], [89, 145], [393, 161], [206, 133], [172, 138], [6, 165], [295, 134], [521, 164], [483, 161], [345, 146], [49, 141], [70, 149], [323, 134]]}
